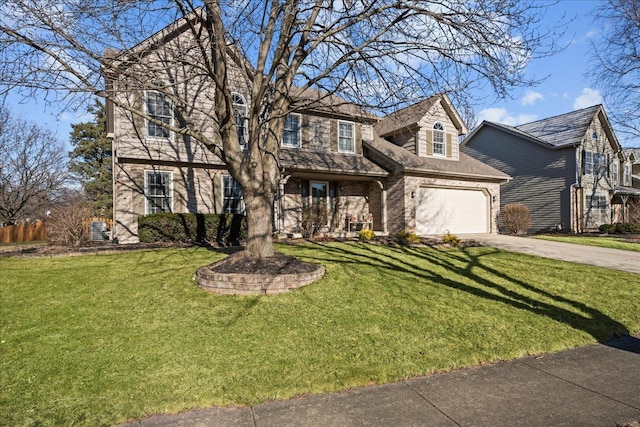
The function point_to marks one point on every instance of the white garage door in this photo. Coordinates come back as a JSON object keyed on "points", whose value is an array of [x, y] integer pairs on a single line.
{"points": [[459, 211]]}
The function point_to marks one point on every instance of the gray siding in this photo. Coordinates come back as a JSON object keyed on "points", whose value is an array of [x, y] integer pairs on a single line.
{"points": [[542, 177]]}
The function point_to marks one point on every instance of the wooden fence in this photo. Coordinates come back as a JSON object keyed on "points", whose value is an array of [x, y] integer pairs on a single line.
{"points": [[37, 231], [23, 233]]}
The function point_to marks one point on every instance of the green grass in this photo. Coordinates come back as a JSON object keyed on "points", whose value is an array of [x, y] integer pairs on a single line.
{"points": [[96, 340], [603, 242]]}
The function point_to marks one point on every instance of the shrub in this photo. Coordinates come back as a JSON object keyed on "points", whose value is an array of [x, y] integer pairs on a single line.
{"points": [[516, 217], [451, 239], [66, 225], [314, 218], [366, 235], [192, 228], [607, 228], [408, 237]]}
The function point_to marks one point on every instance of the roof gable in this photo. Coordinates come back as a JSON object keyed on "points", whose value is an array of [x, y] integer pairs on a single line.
{"points": [[410, 117]]}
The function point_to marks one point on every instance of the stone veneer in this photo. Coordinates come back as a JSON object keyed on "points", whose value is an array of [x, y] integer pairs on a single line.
{"points": [[252, 284]]}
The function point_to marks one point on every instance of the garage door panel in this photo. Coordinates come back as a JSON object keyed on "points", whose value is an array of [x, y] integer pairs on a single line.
{"points": [[458, 211]]}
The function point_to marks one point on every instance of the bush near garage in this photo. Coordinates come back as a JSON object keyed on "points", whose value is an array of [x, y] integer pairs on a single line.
{"points": [[516, 217], [620, 228], [192, 228]]}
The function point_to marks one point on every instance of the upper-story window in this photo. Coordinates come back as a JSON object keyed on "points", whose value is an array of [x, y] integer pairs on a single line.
{"points": [[291, 136], [158, 191], [594, 135], [593, 163], [346, 137], [438, 139], [160, 108], [627, 175], [614, 172], [240, 114]]}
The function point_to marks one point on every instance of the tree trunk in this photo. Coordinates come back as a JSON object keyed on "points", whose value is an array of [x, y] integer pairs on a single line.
{"points": [[259, 210]]}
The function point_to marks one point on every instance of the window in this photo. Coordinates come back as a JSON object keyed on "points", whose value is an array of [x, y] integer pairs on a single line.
{"points": [[158, 191], [627, 175], [614, 172], [438, 140], [291, 137], [588, 163], [158, 107], [594, 136], [232, 201], [240, 115], [596, 207], [597, 163], [346, 143]]}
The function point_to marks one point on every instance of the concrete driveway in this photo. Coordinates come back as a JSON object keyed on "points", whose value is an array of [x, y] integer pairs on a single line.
{"points": [[591, 255]]}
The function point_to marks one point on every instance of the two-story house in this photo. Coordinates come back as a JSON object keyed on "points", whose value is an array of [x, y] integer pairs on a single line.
{"points": [[402, 171], [569, 170]]}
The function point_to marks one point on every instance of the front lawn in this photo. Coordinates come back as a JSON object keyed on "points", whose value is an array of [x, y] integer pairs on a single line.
{"points": [[603, 242], [95, 340]]}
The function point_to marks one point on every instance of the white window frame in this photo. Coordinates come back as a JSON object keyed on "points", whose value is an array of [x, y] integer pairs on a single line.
{"points": [[614, 173], [240, 203], [171, 117], [239, 102], [352, 137], [296, 133], [441, 144], [148, 206], [598, 211], [588, 163], [627, 175]]}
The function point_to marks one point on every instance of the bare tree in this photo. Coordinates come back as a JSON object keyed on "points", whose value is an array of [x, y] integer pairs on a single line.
{"points": [[32, 169], [616, 63], [290, 55]]}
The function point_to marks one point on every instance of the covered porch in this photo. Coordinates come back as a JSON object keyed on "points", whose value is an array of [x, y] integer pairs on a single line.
{"points": [[331, 194]]}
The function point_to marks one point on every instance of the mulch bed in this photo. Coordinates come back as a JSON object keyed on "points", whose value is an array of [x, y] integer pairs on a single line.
{"points": [[239, 263]]}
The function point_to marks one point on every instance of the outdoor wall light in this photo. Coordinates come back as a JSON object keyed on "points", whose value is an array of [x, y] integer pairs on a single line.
{"points": [[413, 194]]}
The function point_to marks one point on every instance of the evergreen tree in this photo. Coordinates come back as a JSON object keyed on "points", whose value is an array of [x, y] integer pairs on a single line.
{"points": [[91, 160]]}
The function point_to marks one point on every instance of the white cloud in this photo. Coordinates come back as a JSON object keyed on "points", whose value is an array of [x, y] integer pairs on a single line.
{"points": [[501, 115], [531, 97], [588, 98]]}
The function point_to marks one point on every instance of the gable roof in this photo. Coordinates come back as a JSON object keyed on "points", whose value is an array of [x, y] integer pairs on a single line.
{"points": [[565, 129], [405, 161], [409, 117], [556, 132]]}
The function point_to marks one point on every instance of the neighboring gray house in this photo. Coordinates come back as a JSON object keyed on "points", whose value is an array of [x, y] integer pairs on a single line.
{"points": [[403, 171], [569, 170]]}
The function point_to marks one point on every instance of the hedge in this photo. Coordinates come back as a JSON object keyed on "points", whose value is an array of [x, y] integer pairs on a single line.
{"points": [[620, 228], [192, 228]]}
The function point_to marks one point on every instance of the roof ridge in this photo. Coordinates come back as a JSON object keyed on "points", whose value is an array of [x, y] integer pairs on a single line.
{"points": [[581, 110]]}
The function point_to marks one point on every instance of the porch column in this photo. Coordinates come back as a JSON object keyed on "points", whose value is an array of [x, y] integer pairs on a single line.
{"points": [[281, 185], [384, 205]]}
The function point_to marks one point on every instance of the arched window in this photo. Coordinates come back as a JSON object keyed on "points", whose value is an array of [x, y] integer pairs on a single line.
{"points": [[438, 139], [594, 135], [240, 114]]}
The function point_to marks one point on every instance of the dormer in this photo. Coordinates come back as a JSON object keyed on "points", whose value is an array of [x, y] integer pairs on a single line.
{"points": [[430, 128]]}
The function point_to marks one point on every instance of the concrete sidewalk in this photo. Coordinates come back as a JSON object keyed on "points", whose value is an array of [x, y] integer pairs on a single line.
{"points": [[591, 255], [598, 385]]}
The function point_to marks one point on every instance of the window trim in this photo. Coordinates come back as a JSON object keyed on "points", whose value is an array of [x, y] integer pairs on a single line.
{"points": [[298, 131], [147, 122], [614, 173], [236, 105], [626, 177], [147, 197], [353, 136], [444, 139], [224, 210]]}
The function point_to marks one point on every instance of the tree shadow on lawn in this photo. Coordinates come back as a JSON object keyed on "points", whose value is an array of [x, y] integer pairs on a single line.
{"points": [[600, 326]]}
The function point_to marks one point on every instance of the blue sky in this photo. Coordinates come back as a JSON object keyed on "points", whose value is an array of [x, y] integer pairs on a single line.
{"points": [[566, 88]]}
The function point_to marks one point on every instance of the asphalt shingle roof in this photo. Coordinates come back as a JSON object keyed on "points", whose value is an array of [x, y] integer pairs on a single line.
{"points": [[406, 161], [329, 162], [406, 117], [564, 130]]}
